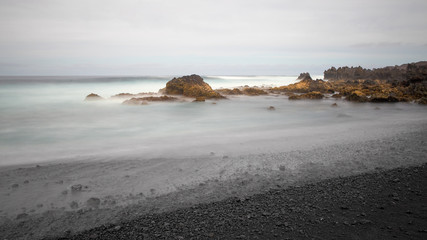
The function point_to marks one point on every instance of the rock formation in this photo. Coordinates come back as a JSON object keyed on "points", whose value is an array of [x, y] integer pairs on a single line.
{"points": [[191, 86], [93, 97], [306, 85]]}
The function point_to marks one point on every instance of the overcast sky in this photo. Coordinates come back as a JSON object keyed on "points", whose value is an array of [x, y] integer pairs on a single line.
{"points": [[222, 37]]}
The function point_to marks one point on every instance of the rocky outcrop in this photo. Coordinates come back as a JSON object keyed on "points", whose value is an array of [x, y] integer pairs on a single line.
{"points": [[145, 100], [306, 85], [304, 76], [93, 97], [310, 95], [190, 86]]}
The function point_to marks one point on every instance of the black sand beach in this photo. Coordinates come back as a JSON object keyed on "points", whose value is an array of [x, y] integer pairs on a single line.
{"points": [[377, 205]]}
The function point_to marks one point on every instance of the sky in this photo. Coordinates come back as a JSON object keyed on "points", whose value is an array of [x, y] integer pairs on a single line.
{"points": [[207, 37]]}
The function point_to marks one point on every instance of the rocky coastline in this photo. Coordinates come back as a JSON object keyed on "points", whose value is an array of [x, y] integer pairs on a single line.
{"points": [[404, 83]]}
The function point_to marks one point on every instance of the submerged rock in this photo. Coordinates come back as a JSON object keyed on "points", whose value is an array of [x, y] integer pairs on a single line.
{"points": [[123, 95], [93, 97], [144, 100], [191, 86]]}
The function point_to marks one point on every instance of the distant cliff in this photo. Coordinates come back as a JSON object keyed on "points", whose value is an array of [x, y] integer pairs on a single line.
{"points": [[406, 73]]}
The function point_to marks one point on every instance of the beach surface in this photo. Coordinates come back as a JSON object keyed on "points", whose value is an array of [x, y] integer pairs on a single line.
{"points": [[57, 199]]}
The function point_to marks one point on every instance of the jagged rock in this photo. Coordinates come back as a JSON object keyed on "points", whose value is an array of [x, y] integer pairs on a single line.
{"points": [[191, 86], [144, 100], [93, 97], [304, 76], [310, 95]]}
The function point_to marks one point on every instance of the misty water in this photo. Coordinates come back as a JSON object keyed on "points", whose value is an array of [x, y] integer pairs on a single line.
{"points": [[119, 151], [45, 118]]}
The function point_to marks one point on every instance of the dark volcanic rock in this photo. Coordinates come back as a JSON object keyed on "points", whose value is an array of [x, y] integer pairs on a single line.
{"points": [[93, 97], [191, 86]]}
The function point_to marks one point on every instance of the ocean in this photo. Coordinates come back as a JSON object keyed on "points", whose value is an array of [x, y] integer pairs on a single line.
{"points": [[46, 119]]}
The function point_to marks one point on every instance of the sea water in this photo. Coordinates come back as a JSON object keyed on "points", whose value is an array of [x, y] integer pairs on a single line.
{"points": [[46, 119]]}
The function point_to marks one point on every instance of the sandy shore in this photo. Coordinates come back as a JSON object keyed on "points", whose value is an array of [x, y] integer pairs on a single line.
{"points": [[62, 198]]}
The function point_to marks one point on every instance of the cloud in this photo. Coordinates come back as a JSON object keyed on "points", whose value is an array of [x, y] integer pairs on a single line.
{"points": [[260, 32]]}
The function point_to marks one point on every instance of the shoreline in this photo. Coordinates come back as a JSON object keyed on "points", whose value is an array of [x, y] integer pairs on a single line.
{"points": [[262, 172], [380, 204]]}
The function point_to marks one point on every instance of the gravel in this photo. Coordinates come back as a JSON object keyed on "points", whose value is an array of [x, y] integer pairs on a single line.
{"points": [[388, 204]]}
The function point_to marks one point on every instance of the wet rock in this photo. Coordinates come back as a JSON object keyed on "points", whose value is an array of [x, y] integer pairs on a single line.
{"points": [[26, 182], [191, 86], [93, 97], [271, 108], [334, 105], [200, 99], [15, 185]]}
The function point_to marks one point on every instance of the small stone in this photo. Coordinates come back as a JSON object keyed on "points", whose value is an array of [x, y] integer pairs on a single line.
{"points": [[271, 108], [76, 188], [334, 105], [15, 185], [93, 202], [21, 216], [282, 168], [74, 205], [26, 182]]}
